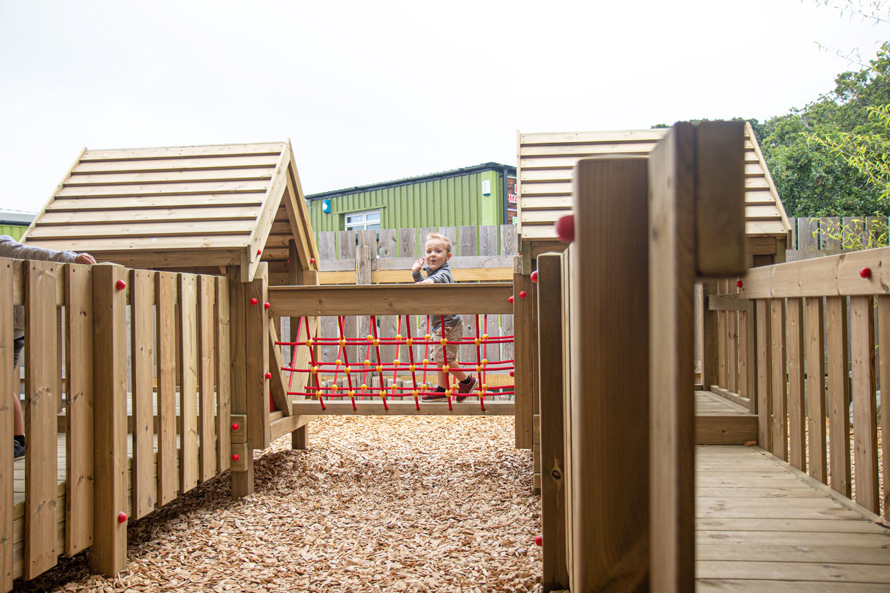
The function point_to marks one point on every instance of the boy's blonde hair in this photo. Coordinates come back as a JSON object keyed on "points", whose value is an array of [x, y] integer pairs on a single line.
{"points": [[439, 237]]}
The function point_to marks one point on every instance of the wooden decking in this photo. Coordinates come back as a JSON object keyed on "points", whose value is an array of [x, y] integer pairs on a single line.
{"points": [[763, 526], [719, 421]]}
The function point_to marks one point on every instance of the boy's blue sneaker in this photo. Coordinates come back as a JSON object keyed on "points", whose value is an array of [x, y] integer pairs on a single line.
{"points": [[18, 450]]}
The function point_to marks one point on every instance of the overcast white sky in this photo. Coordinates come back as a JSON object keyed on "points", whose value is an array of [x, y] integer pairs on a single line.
{"points": [[373, 91]]}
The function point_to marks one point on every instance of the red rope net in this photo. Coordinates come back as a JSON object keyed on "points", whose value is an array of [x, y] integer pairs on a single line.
{"points": [[357, 374]]}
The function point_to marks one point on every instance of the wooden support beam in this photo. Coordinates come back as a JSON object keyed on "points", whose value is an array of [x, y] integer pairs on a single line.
{"points": [[242, 470], [256, 344], [553, 468], [109, 555], [8, 384], [413, 299], [609, 356], [277, 383], [526, 359]]}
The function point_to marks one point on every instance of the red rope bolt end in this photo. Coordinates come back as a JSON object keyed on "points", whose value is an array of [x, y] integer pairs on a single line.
{"points": [[510, 300], [311, 260], [738, 284], [259, 252], [522, 294], [120, 284], [535, 276], [235, 426], [253, 301], [565, 228], [122, 517], [267, 305], [235, 457], [268, 375], [865, 272], [511, 373], [539, 540]]}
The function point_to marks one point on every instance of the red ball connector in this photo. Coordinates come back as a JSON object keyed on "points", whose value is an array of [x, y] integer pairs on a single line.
{"points": [[253, 301], [510, 300], [235, 457], [535, 276], [120, 284], [122, 517], [267, 305], [565, 228], [865, 272], [522, 294], [539, 540], [268, 375], [311, 260], [259, 252], [235, 426], [738, 284]]}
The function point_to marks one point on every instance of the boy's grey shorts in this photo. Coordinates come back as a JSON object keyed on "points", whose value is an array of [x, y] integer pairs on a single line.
{"points": [[452, 334]]}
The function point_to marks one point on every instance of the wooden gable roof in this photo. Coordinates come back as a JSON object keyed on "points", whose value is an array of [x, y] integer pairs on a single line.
{"points": [[195, 208], [547, 161]]}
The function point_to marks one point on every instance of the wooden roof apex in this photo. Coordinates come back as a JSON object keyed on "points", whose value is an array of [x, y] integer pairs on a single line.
{"points": [[189, 208]]}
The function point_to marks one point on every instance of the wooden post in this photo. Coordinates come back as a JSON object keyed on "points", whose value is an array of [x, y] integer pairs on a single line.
{"points": [[300, 436], [165, 292], [815, 387], [610, 376], [865, 436], [7, 386], [710, 360], [242, 468], [553, 468], [40, 409], [257, 352], [838, 394], [144, 487], [525, 342], [110, 420]]}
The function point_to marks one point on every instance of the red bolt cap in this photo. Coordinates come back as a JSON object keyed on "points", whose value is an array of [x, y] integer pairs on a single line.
{"points": [[253, 301], [535, 276], [235, 457], [235, 426], [738, 284], [539, 540], [268, 375], [267, 305], [510, 299], [120, 284], [511, 373], [259, 251], [865, 272], [122, 517], [522, 294], [565, 228], [311, 260]]}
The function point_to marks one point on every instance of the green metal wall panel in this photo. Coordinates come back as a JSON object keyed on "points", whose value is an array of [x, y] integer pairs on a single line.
{"points": [[13, 231], [450, 201]]}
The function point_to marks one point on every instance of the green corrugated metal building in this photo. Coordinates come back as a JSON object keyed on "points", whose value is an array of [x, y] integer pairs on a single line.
{"points": [[14, 222], [472, 196]]}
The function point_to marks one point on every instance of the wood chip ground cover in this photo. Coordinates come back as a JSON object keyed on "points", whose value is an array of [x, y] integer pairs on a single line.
{"points": [[375, 504]]}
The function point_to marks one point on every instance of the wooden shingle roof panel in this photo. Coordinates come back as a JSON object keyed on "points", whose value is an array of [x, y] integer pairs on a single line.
{"points": [[546, 168], [213, 205]]}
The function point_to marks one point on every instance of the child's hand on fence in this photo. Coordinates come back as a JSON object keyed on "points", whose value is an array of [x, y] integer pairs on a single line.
{"points": [[84, 258], [427, 281], [417, 266]]}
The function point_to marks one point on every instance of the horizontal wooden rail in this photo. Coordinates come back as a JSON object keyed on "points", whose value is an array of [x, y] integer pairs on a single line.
{"points": [[387, 299], [838, 275], [469, 407], [404, 276], [405, 263]]}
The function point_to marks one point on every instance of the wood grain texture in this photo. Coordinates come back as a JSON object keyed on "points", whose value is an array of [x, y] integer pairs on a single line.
{"points": [[256, 344], [778, 418], [865, 436], [884, 362], [188, 382], [796, 388], [109, 554], [8, 382], [144, 485], [42, 377], [165, 294], [815, 386], [223, 374], [242, 473], [610, 485], [838, 394], [553, 468], [206, 320], [764, 374]]}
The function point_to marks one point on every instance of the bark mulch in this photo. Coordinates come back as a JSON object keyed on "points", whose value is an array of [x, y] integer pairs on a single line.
{"points": [[418, 503]]}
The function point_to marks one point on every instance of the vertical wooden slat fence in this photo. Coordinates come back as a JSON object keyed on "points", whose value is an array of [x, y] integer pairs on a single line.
{"points": [[155, 441], [819, 325]]}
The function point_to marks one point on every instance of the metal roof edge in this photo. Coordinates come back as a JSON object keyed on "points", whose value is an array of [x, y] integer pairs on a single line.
{"points": [[490, 166]]}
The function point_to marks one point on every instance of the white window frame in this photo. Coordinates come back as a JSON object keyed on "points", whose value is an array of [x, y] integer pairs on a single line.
{"points": [[363, 223]]}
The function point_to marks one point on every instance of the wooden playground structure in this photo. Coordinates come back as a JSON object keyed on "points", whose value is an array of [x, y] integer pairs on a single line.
{"points": [[645, 479]]}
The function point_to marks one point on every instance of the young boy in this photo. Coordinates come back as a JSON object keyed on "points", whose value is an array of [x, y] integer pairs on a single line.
{"points": [[11, 248], [438, 252]]}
